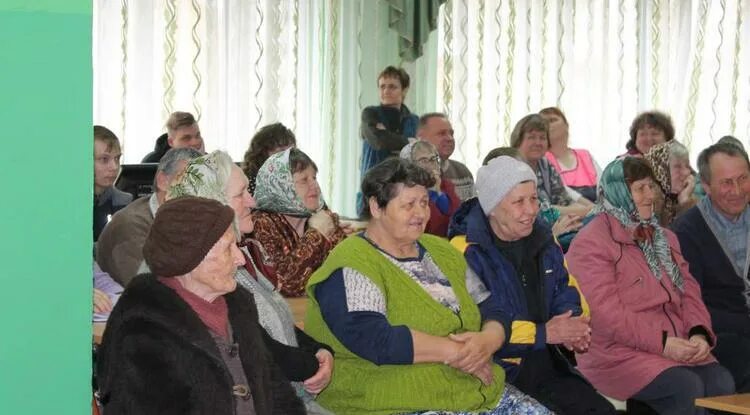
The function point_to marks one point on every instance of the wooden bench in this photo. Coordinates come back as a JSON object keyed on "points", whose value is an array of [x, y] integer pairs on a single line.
{"points": [[298, 306], [735, 404]]}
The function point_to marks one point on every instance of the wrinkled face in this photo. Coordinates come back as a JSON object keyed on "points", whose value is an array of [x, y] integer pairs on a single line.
{"points": [[240, 199], [513, 218], [187, 137], [106, 166], [428, 160], [729, 186], [391, 93], [644, 193], [405, 216], [215, 274], [558, 130], [533, 145], [439, 132], [307, 188], [679, 171], [647, 137]]}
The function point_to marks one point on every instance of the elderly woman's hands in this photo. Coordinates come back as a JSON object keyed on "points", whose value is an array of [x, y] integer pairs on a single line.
{"points": [[323, 376], [703, 348], [484, 373], [323, 222], [687, 191], [687, 351], [579, 346], [475, 350], [564, 328], [565, 224], [680, 350]]}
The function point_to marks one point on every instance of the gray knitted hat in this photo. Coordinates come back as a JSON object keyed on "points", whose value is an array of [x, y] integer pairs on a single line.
{"points": [[499, 177]]}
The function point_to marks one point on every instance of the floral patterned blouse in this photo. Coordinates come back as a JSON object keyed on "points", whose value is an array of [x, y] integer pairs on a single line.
{"points": [[295, 257]]}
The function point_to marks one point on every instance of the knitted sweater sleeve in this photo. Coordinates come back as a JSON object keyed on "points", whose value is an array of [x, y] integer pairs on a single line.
{"points": [[354, 309]]}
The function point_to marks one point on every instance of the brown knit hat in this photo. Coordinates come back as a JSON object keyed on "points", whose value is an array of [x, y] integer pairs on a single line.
{"points": [[183, 232]]}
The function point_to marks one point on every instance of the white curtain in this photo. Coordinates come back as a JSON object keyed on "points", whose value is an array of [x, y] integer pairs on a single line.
{"points": [[240, 64], [602, 62]]}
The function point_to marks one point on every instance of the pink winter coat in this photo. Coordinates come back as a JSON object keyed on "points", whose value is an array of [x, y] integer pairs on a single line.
{"points": [[630, 308]]}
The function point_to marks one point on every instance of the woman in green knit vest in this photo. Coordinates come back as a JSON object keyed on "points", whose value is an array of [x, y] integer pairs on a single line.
{"points": [[414, 330]]}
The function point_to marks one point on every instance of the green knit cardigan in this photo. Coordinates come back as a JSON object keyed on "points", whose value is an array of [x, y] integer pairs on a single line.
{"points": [[359, 386]]}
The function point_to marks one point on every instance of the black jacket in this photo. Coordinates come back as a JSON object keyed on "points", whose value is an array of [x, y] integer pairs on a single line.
{"points": [[157, 357], [160, 148]]}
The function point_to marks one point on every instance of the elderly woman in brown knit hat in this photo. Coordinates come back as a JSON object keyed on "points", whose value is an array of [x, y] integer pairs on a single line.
{"points": [[182, 340], [215, 176]]}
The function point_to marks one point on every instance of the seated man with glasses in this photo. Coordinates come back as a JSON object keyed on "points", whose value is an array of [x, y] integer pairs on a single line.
{"points": [[443, 198]]}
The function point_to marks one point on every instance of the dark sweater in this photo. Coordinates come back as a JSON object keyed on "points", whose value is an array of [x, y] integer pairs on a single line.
{"points": [[720, 285], [524, 255], [378, 144], [106, 205]]}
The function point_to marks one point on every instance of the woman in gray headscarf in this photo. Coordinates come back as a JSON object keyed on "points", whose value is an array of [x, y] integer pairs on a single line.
{"points": [[215, 176]]}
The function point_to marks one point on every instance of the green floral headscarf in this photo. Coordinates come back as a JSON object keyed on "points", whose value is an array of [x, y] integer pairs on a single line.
{"points": [[615, 198], [205, 176], [274, 188]]}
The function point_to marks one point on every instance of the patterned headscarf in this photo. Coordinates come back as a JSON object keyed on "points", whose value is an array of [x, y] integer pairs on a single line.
{"points": [[658, 158], [205, 176], [274, 188], [615, 199]]}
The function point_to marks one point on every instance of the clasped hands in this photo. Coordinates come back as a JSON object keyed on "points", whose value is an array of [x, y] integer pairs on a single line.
{"points": [[572, 332], [693, 350], [471, 352]]}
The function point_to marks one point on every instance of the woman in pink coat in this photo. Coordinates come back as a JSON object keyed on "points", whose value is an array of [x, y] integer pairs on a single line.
{"points": [[651, 334]]}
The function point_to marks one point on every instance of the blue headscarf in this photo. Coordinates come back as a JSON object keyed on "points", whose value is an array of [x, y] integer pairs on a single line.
{"points": [[615, 198]]}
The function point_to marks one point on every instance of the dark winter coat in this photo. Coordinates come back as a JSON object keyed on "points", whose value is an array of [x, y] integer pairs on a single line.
{"points": [[157, 357], [470, 232]]}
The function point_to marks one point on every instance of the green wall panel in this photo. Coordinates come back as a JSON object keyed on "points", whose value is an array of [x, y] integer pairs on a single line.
{"points": [[46, 159]]}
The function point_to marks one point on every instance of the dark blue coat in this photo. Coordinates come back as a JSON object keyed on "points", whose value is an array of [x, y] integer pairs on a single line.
{"points": [[470, 232]]}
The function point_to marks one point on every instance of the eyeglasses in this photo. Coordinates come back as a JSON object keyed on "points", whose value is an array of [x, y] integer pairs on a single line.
{"points": [[428, 161]]}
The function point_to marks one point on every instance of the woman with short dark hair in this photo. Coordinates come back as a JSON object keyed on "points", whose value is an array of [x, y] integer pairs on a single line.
{"points": [[270, 139], [648, 129], [386, 128], [400, 308], [531, 137]]}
